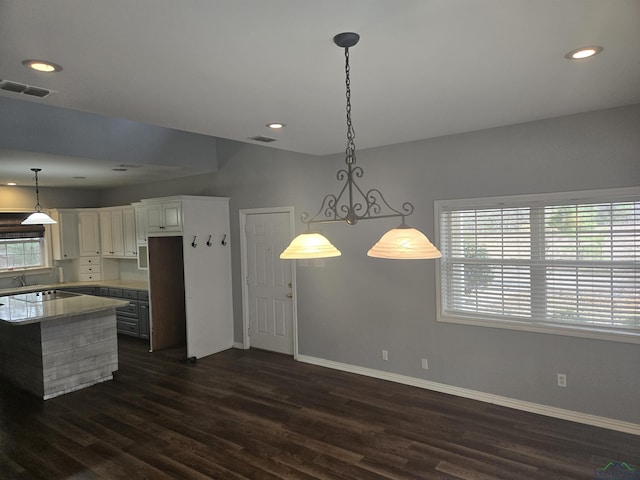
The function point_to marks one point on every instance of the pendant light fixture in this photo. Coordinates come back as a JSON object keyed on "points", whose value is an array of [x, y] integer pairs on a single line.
{"points": [[402, 242], [38, 217]]}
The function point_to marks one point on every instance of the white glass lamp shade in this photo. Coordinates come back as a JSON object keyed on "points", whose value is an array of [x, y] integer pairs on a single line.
{"points": [[38, 218], [404, 242], [310, 245]]}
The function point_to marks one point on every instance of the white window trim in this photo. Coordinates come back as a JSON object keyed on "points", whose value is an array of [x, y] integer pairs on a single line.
{"points": [[581, 331], [47, 251]]}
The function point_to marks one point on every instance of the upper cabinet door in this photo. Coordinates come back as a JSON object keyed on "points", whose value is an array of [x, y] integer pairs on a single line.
{"points": [[65, 234], [165, 217], [89, 232], [117, 233], [172, 215], [105, 233], [141, 224], [155, 222], [129, 232]]}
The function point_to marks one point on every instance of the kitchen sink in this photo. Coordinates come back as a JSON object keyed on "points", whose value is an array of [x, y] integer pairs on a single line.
{"points": [[43, 296]]}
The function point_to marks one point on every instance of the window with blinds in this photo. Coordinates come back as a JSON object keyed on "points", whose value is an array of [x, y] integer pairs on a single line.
{"points": [[543, 262], [21, 246]]}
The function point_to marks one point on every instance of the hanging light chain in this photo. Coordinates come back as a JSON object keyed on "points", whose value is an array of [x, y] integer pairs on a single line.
{"points": [[352, 203], [351, 134], [38, 207]]}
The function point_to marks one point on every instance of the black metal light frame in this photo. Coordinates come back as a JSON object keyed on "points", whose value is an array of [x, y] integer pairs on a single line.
{"points": [[367, 205]]}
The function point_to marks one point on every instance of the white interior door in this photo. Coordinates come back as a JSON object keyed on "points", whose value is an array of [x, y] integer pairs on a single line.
{"points": [[270, 290]]}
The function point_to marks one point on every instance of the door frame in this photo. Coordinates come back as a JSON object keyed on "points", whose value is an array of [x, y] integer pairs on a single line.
{"points": [[244, 213]]}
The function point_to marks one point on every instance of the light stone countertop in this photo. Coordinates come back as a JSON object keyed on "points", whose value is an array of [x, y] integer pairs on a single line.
{"points": [[131, 284], [19, 307]]}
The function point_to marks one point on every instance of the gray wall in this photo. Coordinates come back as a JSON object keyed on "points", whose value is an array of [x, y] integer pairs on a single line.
{"points": [[25, 198], [37, 127], [355, 306]]}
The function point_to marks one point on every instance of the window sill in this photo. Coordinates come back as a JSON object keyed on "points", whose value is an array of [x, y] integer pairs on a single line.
{"points": [[623, 336]]}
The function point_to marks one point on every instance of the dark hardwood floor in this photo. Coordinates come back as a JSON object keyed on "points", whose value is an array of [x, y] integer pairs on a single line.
{"points": [[258, 415]]}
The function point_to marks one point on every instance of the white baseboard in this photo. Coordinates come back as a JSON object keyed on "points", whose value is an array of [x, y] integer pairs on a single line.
{"points": [[555, 412]]}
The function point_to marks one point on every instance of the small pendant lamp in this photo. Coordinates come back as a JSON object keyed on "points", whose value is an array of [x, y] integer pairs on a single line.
{"points": [[404, 243], [310, 245], [38, 217]]}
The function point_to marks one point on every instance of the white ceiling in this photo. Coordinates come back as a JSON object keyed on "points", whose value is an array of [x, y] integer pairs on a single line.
{"points": [[423, 68]]}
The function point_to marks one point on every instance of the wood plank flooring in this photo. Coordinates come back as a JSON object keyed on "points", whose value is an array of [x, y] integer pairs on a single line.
{"points": [[259, 415]]}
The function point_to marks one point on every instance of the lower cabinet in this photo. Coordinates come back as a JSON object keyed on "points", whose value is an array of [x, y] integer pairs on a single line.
{"points": [[127, 317], [133, 319]]}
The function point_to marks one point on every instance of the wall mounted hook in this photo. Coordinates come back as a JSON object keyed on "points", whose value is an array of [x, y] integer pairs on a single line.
{"points": [[209, 241], [224, 240], [194, 244]]}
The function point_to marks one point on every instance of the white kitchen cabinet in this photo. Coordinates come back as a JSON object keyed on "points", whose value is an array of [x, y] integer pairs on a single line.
{"points": [[164, 216], [64, 234], [118, 232], [90, 269], [112, 232], [89, 232], [190, 286], [129, 232], [141, 223]]}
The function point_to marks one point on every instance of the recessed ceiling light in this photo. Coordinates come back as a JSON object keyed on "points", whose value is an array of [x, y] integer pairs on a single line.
{"points": [[276, 125], [12, 184], [42, 66], [582, 53]]}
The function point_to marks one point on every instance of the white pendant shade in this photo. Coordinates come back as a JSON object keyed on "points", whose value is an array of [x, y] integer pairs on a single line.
{"points": [[38, 218], [310, 245], [404, 242]]}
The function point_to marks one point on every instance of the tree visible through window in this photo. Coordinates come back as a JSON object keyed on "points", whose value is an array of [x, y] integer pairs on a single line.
{"points": [[543, 261]]}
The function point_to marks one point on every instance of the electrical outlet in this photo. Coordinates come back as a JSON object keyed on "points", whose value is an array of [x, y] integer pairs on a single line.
{"points": [[425, 364], [562, 380], [385, 355]]}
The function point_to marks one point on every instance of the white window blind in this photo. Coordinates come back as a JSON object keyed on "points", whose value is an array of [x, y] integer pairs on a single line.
{"points": [[543, 260], [21, 246]]}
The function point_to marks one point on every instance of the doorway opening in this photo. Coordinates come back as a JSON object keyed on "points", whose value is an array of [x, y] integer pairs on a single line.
{"points": [[166, 282]]}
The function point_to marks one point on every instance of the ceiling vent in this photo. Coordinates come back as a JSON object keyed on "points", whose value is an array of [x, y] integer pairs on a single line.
{"points": [[263, 139], [17, 87]]}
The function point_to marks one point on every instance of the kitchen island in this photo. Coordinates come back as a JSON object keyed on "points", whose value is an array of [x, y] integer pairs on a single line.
{"points": [[53, 342]]}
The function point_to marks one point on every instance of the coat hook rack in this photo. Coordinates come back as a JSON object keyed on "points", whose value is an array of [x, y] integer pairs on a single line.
{"points": [[209, 241], [224, 240], [194, 244]]}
